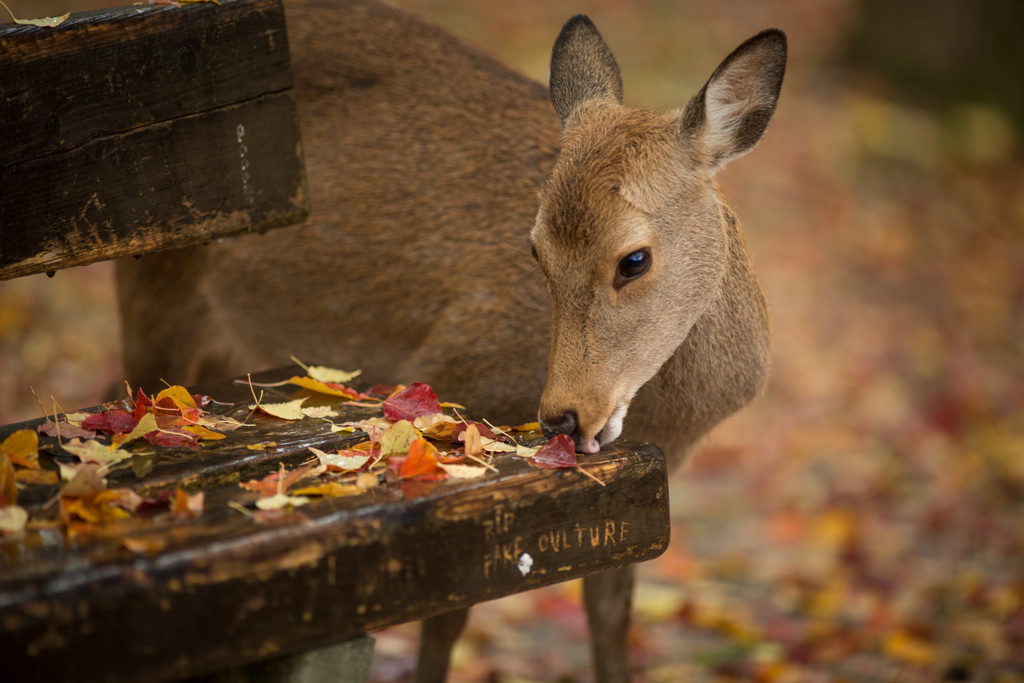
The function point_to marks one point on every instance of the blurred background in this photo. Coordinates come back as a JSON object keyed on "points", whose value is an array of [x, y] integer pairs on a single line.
{"points": [[864, 520]]}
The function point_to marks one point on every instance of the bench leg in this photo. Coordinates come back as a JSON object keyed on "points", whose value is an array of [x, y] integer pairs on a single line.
{"points": [[437, 636], [608, 598]]}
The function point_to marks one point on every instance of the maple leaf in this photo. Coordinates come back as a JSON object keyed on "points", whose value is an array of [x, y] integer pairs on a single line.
{"points": [[412, 402], [95, 452], [422, 462], [12, 519], [111, 422], [22, 447], [557, 453], [286, 411], [342, 461]]}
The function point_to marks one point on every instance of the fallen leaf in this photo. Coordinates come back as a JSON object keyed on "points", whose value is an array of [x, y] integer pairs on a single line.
{"points": [[83, 479], [440, 431], [65, 430], [220, 423], [424, 422], [173, 437], [373, 427], [280, 481], [99, 508], [343, 461], [185, 505], [150, 544], [422, 462], [204, 433], [384, 390], [412, 402], [366, 481], [77, 418], [463, 471], [398, 437], [528, 427], [557, 453], [45, 22], [95, 452], [495, 446], [279, 501], [526, 451], [111, 422], [325, 374], [329, 388], [331, 489], [261, 446], [8, 489], [22, 447], [145, 425], [459, 431], [319, 411], [12, 519], [36, 477], [180, 396], [471, 437], [286, 411]]}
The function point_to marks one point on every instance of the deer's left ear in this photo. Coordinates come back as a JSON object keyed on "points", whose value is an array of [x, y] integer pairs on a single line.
{"points": [[583, 69], [731, 112]]}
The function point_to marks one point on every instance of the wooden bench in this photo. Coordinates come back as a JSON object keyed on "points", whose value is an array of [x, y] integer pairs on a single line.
{"points": [[221, 590], [130, 130]]}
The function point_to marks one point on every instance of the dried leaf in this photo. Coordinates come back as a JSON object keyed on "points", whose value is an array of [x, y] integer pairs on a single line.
{"points": [[412, 402], [526, 451], [12, 519], [77, 418], [286, 411], [36, 477], [261, 446], [325, 374], [65, 430], [471, 437], [329, 388], [319, 411], [99, 508], [374, 427], [463, 471], [185, 505], [95, 452], [220, 423], [397, 438], [8, 489], [557, 453], [332, 489], [424, 422], [149, 544], [22, 447], [173, 437], [495, 446], [204, 433], [45, 22], [279, 501], [280, 481], [343, 461], [528, 427], [422, 462], [83, 479], [459, 431]]}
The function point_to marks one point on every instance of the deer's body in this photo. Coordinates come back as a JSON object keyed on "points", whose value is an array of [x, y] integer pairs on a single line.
{"points": [[426, 159]]}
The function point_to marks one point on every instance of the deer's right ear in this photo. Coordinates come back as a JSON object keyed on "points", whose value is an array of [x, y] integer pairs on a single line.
{"points": [[583, 69], [731, 112]]}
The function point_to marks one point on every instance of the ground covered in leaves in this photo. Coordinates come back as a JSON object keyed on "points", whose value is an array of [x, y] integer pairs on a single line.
{"points": [[863, 521]]}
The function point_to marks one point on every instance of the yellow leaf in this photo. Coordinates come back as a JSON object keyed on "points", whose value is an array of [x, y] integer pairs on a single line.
{"points": [[77, 419], [37, 477], [146, 425], [339, 461], [12, 519], [492, 446], [528, 427], [424, 422], [322, 388], [398, 437], [319, 411], [94, 451], [204, 433], [323, 374], [179, 395], [22, 447], [280, 500], [45, 22], [331, 489], [909, 649], [261, 446], [285, 411]]}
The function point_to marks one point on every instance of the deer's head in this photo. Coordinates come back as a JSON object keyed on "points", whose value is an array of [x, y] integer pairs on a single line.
{"points": [[631, 230]]}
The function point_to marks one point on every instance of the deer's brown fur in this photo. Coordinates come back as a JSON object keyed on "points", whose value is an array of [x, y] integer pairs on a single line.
{"points": [[426, 159]]}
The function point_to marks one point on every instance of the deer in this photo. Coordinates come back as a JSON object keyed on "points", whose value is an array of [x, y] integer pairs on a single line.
{"points": [[535, 253]]}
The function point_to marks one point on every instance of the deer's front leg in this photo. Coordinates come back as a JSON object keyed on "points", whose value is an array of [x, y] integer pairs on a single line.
{"points": [[437, 636], [608, 598]]}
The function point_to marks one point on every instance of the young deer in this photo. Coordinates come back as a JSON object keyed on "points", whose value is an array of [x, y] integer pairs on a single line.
{"points": [[425, 157]]}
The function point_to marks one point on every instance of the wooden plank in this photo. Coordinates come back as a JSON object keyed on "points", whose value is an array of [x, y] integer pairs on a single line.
{"points": [[137, 129], [226, 591]]}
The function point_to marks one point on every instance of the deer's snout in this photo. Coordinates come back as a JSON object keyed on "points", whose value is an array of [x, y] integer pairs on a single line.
{"points": [[568, 423]]}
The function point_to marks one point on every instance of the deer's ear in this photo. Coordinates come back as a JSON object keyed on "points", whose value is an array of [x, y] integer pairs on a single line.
{"points": [[731, 112], [582, 69]]}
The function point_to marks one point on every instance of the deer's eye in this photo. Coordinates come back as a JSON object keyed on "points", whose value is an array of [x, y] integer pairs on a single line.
{"points": [[633, 266]]}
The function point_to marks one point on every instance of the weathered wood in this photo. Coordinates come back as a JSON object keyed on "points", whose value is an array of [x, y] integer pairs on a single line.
{"points": [[137, 129], [226, 591]]}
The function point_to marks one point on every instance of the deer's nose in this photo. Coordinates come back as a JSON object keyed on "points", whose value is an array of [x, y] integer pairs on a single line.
{"points": [[566, 423]]}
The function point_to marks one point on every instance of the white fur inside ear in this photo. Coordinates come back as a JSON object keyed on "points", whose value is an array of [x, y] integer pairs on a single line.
{"points": [[737, 91]]}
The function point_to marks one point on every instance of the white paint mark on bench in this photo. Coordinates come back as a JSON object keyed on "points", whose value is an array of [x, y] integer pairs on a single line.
{"points": [[244, 162], [525, 564]]}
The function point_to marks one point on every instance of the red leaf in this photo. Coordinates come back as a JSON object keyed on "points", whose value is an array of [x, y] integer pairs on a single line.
{"points": [[557, 453], [142, 404], [201, 400], [412, 402], [382, 390], [173, 437], [110, 422]]}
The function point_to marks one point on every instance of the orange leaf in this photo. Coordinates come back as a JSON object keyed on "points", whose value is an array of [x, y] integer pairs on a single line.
{"points": [[422, 461], [204, 433], [8, 489], [22, 447], [36, 476]]}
